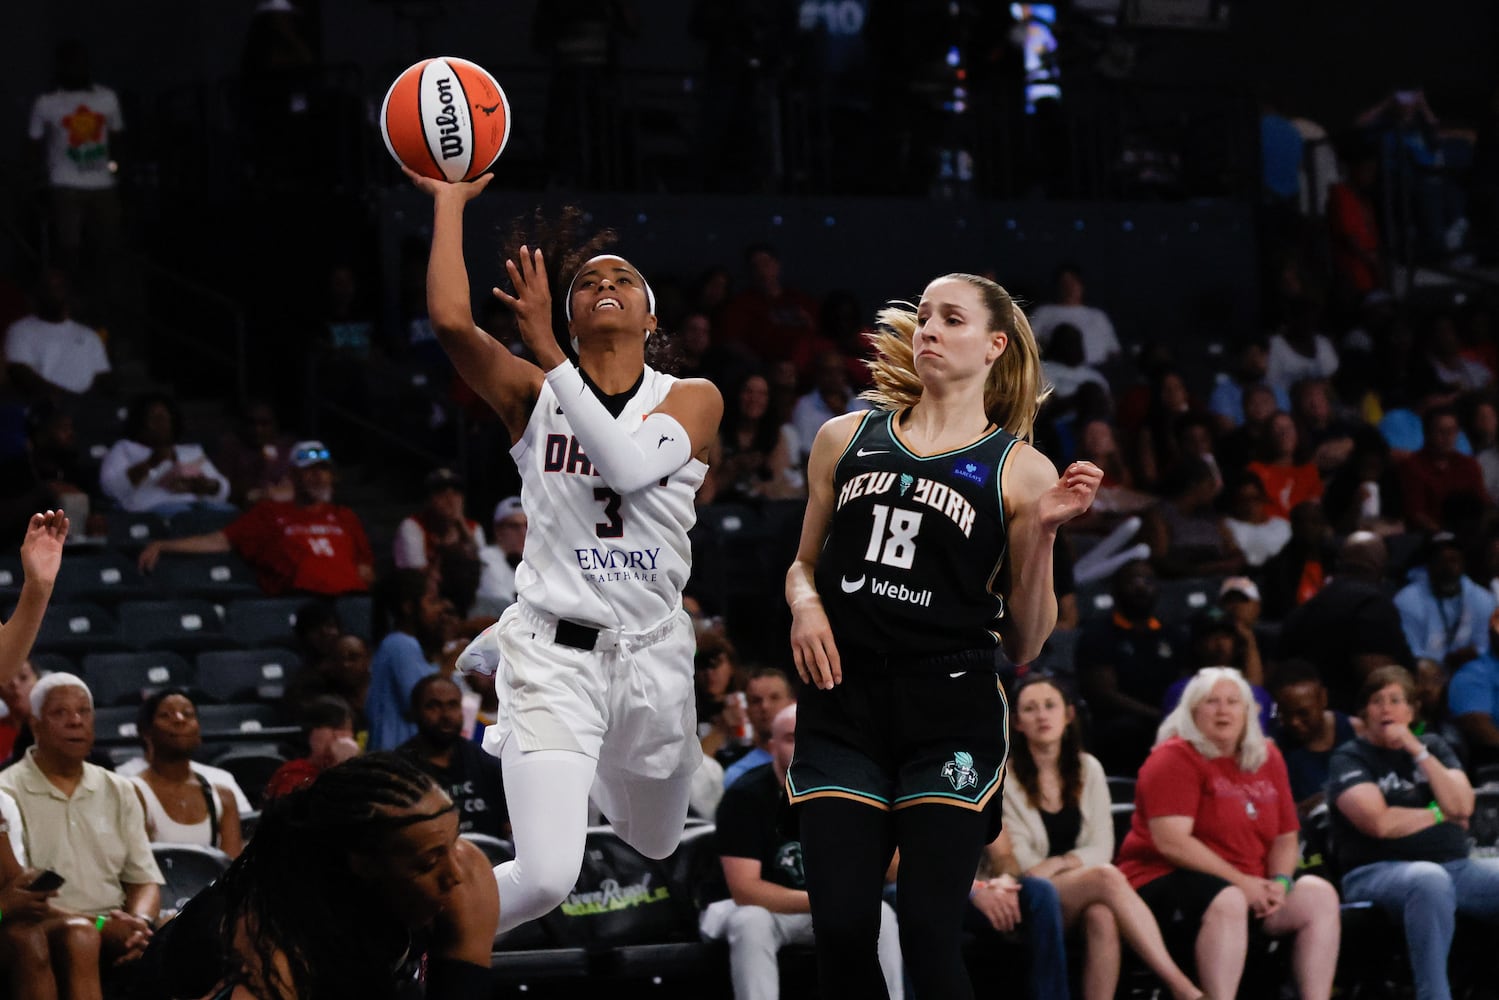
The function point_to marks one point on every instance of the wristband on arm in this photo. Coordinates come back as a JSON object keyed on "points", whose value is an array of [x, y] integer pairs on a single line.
{"points": [[626, 461], [1436, 811], [1286, 882]]}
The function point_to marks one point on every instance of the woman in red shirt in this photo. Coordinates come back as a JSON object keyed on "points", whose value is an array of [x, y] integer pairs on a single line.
{"points": [[1287, 481], [1214, 843]]}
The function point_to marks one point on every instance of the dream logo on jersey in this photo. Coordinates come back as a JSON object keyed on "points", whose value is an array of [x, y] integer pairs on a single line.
{"points": [[975, 472], [960, 771]]}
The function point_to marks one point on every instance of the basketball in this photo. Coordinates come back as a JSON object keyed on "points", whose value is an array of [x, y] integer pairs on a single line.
{"points": [[445, 118]]}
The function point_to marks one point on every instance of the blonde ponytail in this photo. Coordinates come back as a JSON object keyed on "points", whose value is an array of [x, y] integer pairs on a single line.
{"points": [[1014, 390]]}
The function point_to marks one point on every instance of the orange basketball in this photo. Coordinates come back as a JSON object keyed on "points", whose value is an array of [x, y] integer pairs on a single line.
{"points": [[445, 118]]}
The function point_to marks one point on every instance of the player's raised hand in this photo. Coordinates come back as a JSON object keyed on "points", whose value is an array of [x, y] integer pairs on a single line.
{"points": [[532, 305], [812, 647], [464, 191], [1071, 496], [41, 550]]}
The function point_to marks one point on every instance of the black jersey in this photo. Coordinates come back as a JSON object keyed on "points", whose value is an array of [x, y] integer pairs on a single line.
{"points": [[915, 545]]}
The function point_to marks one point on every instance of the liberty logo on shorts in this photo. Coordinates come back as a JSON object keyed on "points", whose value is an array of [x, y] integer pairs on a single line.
{"points": [[974, 472], [960, 771], [906, 482]]}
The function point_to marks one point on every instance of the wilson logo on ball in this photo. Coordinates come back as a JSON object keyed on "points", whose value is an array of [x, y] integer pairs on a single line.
{"points": [[446, 121], [445, 118]]}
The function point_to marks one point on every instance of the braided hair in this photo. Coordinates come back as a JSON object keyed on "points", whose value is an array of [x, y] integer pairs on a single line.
{"points": [[292, 892]]}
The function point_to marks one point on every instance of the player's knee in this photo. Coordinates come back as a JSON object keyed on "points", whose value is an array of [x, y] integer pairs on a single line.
{"points": [[651, 841], [551, 879], [749, 924]]}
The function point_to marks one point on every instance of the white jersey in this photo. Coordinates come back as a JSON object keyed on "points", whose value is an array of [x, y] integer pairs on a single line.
{"points": [[592, 555]]}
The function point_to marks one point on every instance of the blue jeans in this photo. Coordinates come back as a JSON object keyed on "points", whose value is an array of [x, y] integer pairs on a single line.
{"points": [[1042, 909], [1427, 896]]}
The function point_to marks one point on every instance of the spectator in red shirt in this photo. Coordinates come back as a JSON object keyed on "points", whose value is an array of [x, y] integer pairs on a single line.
{"points": [[768, 318], [1437, 473], [1358, 256], [16, 693], [1288, 482], [328, 722], [307, 545], [1214, 842]]}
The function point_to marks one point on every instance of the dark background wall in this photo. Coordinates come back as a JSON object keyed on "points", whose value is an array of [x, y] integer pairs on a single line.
{"points": [[1329, 57]]}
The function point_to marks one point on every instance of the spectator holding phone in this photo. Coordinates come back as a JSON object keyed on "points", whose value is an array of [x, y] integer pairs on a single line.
{"points": [[86, 824], [38, 947]]}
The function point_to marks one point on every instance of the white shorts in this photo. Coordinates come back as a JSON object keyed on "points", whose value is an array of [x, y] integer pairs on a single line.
{"points": [[628, 703]]}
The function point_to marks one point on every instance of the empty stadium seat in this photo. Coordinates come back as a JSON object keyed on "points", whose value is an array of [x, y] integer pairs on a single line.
{"points": [[77, 627], [200, 521], [188, 870], [243, 718], [127, 678], [1181, 599], [220, 576], [262, 621], [1121, 790], [244, 675], [252, 769], [107, 577], [114, 723], [181, 624], [11, 579], [129, 532], [356, 614], [52, 663]]}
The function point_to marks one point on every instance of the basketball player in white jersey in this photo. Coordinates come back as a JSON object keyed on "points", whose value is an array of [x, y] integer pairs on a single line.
{"points": [[593, 663]]}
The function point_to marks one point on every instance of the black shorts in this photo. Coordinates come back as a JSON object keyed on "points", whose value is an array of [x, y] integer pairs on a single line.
{"points": [[893, 740], [1179, 901]]}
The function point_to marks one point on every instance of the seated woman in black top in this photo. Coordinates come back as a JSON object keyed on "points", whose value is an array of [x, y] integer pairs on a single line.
{"points": [[356, 886], [1056, 807], [1400, 807]]}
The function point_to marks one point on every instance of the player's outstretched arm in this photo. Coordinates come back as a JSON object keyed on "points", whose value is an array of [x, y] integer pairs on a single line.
{"points": [[1038, 502], [507, 383], [812, 646], [627, 459]]}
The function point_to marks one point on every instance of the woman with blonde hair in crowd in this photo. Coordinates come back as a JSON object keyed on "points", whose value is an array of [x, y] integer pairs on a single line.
{"points": [[926, 545], [1056, 807], [1215, 841]]}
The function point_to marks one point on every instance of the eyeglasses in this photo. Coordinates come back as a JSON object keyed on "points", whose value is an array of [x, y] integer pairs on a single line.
{"points": [[305, 456]]}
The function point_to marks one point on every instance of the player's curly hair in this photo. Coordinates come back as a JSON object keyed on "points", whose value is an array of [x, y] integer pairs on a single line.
{"points": [[1014, 390], [293, 894], [567, 239]]}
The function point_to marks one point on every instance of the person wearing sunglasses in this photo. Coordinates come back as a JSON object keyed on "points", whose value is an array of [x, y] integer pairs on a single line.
{"points": [[308, 544]]}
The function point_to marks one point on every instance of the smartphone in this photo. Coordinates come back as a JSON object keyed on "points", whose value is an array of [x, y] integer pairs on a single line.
{"points": [[1406, 96], [47, 881]]}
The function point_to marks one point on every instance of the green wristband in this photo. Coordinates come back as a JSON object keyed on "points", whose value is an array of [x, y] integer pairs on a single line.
{"points": [[1285, 881], [99, 921], [1436, 811]]}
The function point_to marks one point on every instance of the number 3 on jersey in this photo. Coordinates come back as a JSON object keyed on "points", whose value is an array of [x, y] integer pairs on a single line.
{"points": [[614, 527], [898, 548]]}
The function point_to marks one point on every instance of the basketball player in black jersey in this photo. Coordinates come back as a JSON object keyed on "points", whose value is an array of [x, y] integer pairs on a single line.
{"points": [[926, 544]]}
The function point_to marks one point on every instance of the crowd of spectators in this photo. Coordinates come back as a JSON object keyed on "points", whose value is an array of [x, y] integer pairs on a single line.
{"points": [[1325, 500]]}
